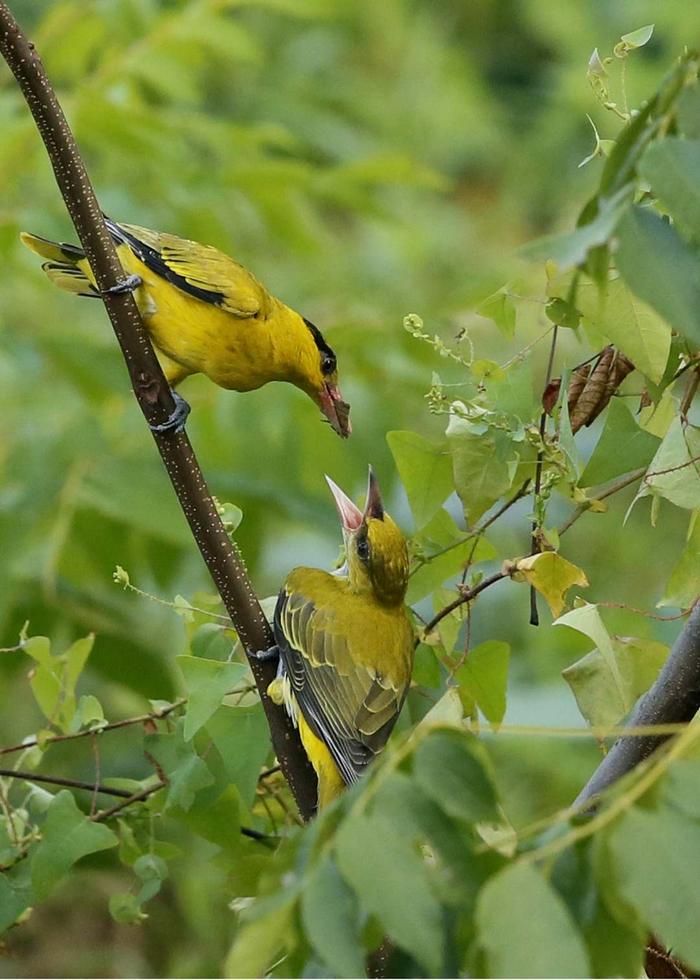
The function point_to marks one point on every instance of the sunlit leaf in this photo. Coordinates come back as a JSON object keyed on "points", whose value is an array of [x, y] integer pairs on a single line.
{"points": [[552, 576]]}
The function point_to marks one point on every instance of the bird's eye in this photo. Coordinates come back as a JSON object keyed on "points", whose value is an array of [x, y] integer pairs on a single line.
{"points": [[327, 364], [363, 548]]}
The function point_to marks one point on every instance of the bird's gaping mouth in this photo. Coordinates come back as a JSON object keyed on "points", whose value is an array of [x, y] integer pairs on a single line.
{"points": [[336, 410], [350, 514]]}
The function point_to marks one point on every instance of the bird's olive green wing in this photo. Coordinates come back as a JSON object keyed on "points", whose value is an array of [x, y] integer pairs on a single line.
{"points": [[199, 270], [348, 705]]}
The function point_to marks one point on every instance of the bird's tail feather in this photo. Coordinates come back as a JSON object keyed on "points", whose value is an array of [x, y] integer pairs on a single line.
{"points": [[53, 251], [69, 278], [62, 267]]}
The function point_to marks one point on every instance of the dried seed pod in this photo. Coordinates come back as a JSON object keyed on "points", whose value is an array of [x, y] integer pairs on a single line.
{"points": [[591, 387]]}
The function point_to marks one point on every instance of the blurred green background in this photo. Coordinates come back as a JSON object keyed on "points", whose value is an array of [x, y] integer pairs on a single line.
{"points": [[364, 160]]}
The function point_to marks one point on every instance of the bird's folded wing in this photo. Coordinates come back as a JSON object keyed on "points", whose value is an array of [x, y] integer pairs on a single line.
{"points": [[199, 270], [349, 705]]}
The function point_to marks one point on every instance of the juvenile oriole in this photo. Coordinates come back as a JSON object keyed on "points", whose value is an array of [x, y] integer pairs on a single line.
{"points": [[207, 314], [345, 646]]}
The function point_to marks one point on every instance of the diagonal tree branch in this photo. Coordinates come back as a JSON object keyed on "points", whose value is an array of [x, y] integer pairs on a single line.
{"points": [[674, 698], [154, 397]]}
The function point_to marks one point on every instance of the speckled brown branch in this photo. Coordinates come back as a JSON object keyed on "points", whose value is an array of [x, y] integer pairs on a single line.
{"points": [[154, 396]]}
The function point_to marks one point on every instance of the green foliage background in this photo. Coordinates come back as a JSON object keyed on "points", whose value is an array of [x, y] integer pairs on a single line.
{"points": [[365, 160]]}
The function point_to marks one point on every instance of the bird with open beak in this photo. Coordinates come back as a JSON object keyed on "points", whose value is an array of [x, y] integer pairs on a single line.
{"points": [[345, 645]]}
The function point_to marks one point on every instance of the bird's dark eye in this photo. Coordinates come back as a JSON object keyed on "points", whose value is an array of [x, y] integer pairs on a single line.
{"points": [[327, 364], [363, 547]]}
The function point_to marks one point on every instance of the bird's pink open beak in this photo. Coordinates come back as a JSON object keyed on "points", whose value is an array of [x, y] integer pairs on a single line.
{"points": [[336, 410], [350, 514]]}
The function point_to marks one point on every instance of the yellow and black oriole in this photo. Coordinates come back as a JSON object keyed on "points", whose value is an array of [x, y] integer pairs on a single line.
{"points": [[345, 646], [207, 314]]}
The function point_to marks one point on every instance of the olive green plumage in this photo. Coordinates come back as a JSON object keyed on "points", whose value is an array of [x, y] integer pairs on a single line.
{"points": [[346, 646]]}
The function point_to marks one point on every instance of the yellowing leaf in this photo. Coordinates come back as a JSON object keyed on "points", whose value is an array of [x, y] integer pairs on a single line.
{"points": [[552, 576]]}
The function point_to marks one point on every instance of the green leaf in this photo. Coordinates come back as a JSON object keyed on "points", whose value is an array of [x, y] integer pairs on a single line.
{"points": [[242, 739], [662, 270], [331, 919], [425, 470], [570, 249], [124, 907], [46, 688], [75, 658], [67, 836], [484, 677], [259, 940], [683, 586], [429, 576], [623, 446], [586, 619], [481, 466], [392, 882], [601, 700], [186, 772], [628, 323], [15, 897], [39, 649], [672, 167], [525, 929], [449, 768], [674, 472], [552, 576], [656, 858], [680, 787], [500, 308], [616, 948], [211, 642], [217, 822], [206, 683]]}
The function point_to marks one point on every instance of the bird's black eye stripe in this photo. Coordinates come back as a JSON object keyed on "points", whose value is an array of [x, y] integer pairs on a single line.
{"points": [[362, 545], [328, 362]]}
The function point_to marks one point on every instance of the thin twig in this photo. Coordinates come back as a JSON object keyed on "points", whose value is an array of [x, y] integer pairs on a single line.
{"points": [[36, 777], [622, 481], [111, 727], [96, 754], [142, 794], [479, 529], [534, 542], [466, 596]]}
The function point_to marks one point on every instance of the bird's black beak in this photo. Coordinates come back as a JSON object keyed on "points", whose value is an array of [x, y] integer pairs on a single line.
{"points": [[373, 507]]}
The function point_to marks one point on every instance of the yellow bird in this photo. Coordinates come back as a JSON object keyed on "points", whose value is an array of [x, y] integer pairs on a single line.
{"points": [[206, 314], [345, 646]]}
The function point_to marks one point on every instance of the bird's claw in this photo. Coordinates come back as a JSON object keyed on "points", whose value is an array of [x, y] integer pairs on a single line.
{"points": [[263, 655], [175, 422], [127, 285]]}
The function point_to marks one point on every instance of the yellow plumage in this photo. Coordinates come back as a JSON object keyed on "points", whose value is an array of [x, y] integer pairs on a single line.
{"points": [[345, 643], [207, 314]]}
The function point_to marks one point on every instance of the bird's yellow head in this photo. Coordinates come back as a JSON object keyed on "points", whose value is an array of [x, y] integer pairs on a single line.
{"points": [[377, 555], [315, 371]]}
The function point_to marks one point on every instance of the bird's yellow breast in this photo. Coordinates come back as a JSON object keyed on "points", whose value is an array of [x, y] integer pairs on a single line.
{"points": [[235, 352]]}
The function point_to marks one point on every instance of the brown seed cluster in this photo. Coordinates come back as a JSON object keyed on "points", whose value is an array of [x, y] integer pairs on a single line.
{"points": [[591, 387]]}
